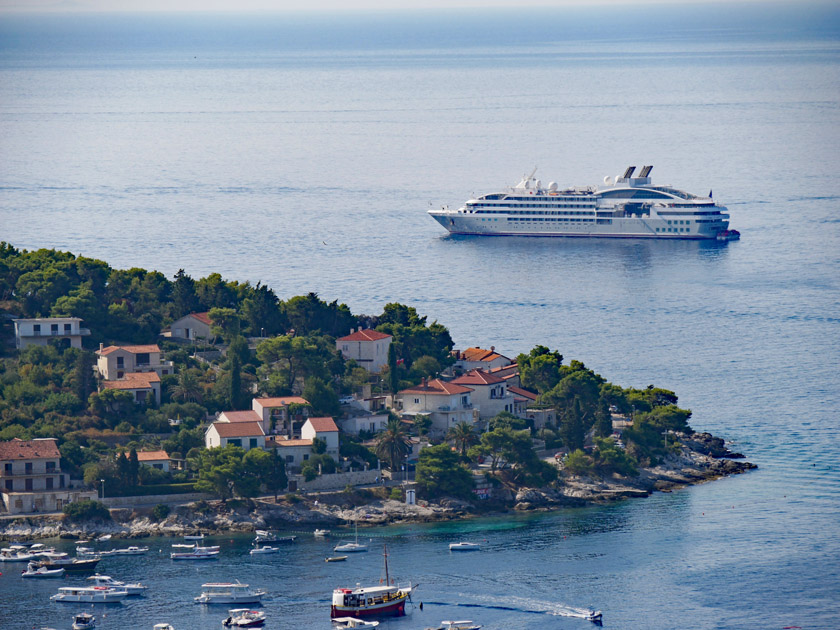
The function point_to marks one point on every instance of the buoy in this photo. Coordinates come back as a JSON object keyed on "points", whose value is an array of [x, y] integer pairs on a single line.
{"points": [[421, 605]]}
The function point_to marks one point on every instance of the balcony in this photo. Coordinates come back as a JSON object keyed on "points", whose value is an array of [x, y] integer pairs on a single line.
{"points": [[57, 333]]}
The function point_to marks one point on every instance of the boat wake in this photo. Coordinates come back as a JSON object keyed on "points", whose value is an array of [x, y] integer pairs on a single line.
{"points": [[531, 607]]}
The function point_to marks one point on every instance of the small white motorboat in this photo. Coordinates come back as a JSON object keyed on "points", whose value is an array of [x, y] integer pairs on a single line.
{"points": [[41, 572], [194, 537], [163, 626], [321, 533], [92, 594], [134, 588], [15, 553], [84, 621], [104, 538], [199, 553], [183, 546], [336, 559], [464, 546], [133, 550], [464, 624], [264, 549], [595, 616], [229, 593], [244, 618], [352, 622]]}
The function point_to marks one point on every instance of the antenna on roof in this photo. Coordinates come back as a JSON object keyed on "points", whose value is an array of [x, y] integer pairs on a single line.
{"points": [[534, 172]]}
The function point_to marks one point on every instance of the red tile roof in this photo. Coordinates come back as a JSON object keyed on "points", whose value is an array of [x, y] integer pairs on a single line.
{"points": [[478, 377], [241, 416], [133, 349], [282, 402], [323, 425], [133, 380], [437, 387], [204, 318], [29, 449], [151, 456], [238, 429], [479, 354], [519, 391], [365, 335]]}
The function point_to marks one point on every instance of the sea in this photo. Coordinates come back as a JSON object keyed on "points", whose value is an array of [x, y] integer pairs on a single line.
{"points": [[302, 151]]}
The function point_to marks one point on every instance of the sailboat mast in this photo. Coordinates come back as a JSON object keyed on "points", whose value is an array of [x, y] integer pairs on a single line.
{"points": [[387, 577]]}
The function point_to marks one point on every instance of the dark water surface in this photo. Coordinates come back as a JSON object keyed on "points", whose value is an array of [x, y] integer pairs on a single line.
{"points": [[304, 154]]}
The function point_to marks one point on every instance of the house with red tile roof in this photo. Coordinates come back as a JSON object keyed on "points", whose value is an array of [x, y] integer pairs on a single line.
{"points": [[114, 362], [143, 385], [282, 415], [444, 402], [369, 348], [31, 479], [323, 429], [473, 358], [246, 434], [154, 459], [293, 451], [528, 407], [193, 326], [490, 393]]}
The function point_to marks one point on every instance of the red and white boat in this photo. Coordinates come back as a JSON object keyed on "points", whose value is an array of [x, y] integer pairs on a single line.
{"points": [[386, 599]]}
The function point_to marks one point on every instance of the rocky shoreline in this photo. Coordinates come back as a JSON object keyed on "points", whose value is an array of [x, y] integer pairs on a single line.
{"points": [[702, 457]]}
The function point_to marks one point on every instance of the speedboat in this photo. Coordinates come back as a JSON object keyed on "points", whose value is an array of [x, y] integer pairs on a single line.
{"points": [[134, 588], [229, 593], [464, 546], [15, 553], [194, 537], [92, 594], [244, 618], [265, 549], [336, 559], [321, 533], [71, 565], [41, 572], [464, 624], [594, 615], [163, 626], [180, 546], [104, 538], [84, 621], [199, 553], [131, 551], [352, 622], [370, 601]]}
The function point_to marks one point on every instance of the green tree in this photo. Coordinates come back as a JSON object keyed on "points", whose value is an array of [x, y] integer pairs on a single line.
{"points": [[572, 427], [610, 458], [87, 510], [463, 435], [235, 384], [578, 463], [422, 423], [262, 312], [276, 479], [184, 300], [393, 443], [133, 467], [540, 369], [393, 374], [440, 473], [226, 323], [321, 397], [160, 512], [218, 470]]}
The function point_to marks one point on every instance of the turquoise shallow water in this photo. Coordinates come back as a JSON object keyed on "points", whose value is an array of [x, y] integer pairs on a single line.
{"points": [[304, 155]]}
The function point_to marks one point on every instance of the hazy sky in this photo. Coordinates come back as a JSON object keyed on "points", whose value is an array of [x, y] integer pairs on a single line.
{"points": [[307, 5]]}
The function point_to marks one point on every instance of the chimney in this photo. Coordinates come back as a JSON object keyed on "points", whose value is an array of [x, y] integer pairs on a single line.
{"points": [[424, 383], [101, 346], [492, 348]]}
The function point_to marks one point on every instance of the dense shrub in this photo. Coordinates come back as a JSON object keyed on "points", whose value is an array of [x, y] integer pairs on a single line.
{"points": [[160, 511], [87, 510]]}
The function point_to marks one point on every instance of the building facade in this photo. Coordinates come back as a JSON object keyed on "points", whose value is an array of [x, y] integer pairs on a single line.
{"points": [[114, 362], [40, 331], [368, 348], [446, 404]]}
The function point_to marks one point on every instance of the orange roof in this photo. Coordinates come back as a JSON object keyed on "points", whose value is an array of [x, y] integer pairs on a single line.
{"points": [[289, 443], [238, 429], [522, 392], [241, 416], [478, 377], [365, 335], [133, 380], [437, 387], [282, 402], [479, 354], [323, 425], [204, 318], [133, 349], [29, 449], [151, 456], [513, 367]]}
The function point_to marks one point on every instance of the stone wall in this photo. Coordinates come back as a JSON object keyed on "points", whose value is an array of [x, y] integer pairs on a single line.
{"points": [[337, 481], [154, 499]]}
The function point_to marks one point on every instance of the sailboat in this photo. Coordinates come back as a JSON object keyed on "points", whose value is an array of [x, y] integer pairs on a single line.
{"points": [[365, 601], [352, 547]]}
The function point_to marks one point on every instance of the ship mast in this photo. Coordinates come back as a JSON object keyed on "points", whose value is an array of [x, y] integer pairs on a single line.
{"points": [[387, 577]]}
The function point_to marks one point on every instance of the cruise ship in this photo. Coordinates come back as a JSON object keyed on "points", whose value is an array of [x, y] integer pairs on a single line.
{"points": [[626, 207]]}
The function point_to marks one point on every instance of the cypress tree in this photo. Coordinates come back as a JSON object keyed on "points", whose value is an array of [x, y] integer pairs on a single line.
{"points": [[393, 375]]}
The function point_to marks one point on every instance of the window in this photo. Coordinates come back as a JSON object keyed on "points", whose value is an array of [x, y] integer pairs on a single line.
{"points": [[29, 485], [120, 374], [49, 483], [416, 401], [67, 328], [28, 468], [252, 443], [8, 468], [120, 362], [61, 481], [143, 358], [50, 466], [9, 485], [235, 442], [36, 328], [54, 328], [305, 456], [290, 459]]}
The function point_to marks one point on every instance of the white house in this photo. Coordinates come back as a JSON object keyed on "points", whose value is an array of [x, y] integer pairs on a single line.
{"points": [[31, 479], [248, 435], [479, 358], [114, 362], [143, 385], [240, 416], [293, 451], [490, 393], [370, 422], [276, 415], [323, 429], [369, 348], [154, 459], [192, 326], [446, 404], [39, 331]]}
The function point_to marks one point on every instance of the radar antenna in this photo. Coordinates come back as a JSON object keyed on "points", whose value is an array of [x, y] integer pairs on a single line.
{"points": [[531, 176]]}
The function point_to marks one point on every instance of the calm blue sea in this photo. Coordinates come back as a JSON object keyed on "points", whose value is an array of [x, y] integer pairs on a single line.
{"points": [[303, 152]]}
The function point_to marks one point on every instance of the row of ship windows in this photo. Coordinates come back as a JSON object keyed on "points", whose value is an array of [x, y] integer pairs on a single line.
{"points": [[673, 229], [533, 205], [538, 219], [552, 213]]}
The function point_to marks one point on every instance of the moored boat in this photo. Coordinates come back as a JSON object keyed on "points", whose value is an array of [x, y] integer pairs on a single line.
{"points": [[194, 537], [199, 553], [464, 624], [71, 565], [133, 550], [464, 546], [371, 601], [91, 594], [321, 533], [263, 550], [33, 571], [336, 559], [352, 622], [134, 588], [244, 618], [352, 547], [15, 553], [229, 593], [84, 621]]}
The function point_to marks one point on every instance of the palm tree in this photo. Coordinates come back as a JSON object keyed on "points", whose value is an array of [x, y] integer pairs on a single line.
{"points": [[187, 389], [463, 435], [393, 444]]}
